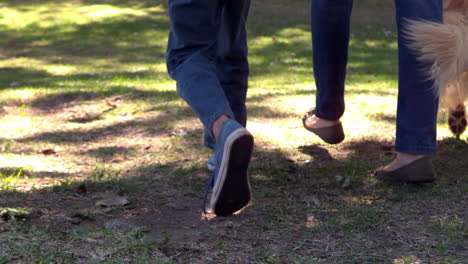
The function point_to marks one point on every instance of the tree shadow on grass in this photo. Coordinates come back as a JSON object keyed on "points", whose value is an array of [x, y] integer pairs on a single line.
{"points": [[122, 40], [368, 63], [36, 3], [149, 126], [357, 160], [11, 77], [59, 100], [130, 39], [108, 152]]}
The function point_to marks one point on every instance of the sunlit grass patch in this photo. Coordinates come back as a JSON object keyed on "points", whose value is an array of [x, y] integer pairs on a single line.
{"points": [[71, 13], [8, 182]]}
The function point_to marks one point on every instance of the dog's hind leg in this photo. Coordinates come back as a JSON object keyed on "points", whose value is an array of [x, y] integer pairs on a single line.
{"points": [[457, 120], [443, 48], [455, 100]]}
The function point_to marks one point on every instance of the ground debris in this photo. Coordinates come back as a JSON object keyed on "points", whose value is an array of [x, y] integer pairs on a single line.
{"points": [[311, 199], [110, 200], [118, 224], [101, 254], [49, 151], [14, 214]]}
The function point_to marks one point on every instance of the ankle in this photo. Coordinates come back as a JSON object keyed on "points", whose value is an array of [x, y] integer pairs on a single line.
{"points": [[408, 157], [217, 125], [318, 122], [402, 159]]}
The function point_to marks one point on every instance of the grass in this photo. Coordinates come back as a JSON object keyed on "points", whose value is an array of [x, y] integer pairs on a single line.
{"points": [[87, 109]]}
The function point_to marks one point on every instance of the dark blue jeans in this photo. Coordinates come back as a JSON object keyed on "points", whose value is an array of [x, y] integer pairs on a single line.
{"points": [[207, 56], [417, 103]]}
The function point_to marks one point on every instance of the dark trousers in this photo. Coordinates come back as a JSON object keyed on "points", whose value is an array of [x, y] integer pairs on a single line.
{"points": [[417, 103]]}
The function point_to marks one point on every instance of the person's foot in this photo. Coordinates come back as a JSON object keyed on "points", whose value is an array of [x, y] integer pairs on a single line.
{"points": [[408, 168], [402, 159], [230, 184], [330, 131], [218, 125]]}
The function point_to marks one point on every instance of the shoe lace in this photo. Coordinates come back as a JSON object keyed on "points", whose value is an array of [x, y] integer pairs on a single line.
{"points": [[208, 187]]}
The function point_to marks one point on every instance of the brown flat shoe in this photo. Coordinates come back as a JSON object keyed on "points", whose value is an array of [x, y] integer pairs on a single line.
{"points": [[331, 134], [418, 171]]}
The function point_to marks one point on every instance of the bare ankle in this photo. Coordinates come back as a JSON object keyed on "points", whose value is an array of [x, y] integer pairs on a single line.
{"points": [[408, 156], [317, 122], [401, 160], [217, 125]]}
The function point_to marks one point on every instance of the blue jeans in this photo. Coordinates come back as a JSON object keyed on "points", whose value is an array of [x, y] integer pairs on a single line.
{"points": [[207, 56], [417, 103]]}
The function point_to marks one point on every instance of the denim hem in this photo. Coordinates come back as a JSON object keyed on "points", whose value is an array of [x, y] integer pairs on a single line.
{"points": [[415, 149]]}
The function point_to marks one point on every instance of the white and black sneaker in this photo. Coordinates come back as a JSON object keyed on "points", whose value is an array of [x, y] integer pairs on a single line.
{"points": [[229, 184]]}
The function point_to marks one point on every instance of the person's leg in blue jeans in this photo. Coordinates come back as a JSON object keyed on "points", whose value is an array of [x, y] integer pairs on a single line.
{"points": [[203, 34], [417, 105], [232, 63], [330, 23], [330, 29], [191, 57]]}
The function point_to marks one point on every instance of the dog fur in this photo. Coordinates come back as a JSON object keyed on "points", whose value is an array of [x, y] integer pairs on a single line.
{"points": [[444, 47]]}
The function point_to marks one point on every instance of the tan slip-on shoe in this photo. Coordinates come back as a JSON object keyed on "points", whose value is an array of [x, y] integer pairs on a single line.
{"points": [[418, 171], [331, 134]]}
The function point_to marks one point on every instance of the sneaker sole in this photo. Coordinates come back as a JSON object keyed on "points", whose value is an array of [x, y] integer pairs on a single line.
{"points": [[231, 191]]}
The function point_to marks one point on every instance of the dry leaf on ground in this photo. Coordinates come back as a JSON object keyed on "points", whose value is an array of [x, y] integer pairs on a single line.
{"points": [[112, 200]]}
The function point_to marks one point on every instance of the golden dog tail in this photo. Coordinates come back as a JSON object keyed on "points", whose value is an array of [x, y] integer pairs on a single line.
{"points": [[441, 47]]}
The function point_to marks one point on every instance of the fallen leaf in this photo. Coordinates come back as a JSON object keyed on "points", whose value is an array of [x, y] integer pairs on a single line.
{"points": [[112, 200], [311, 221], [48, 151], [108, 103]]}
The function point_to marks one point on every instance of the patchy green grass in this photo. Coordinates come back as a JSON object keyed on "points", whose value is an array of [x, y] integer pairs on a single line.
{"points": [[28, 244], [88, 112]]}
